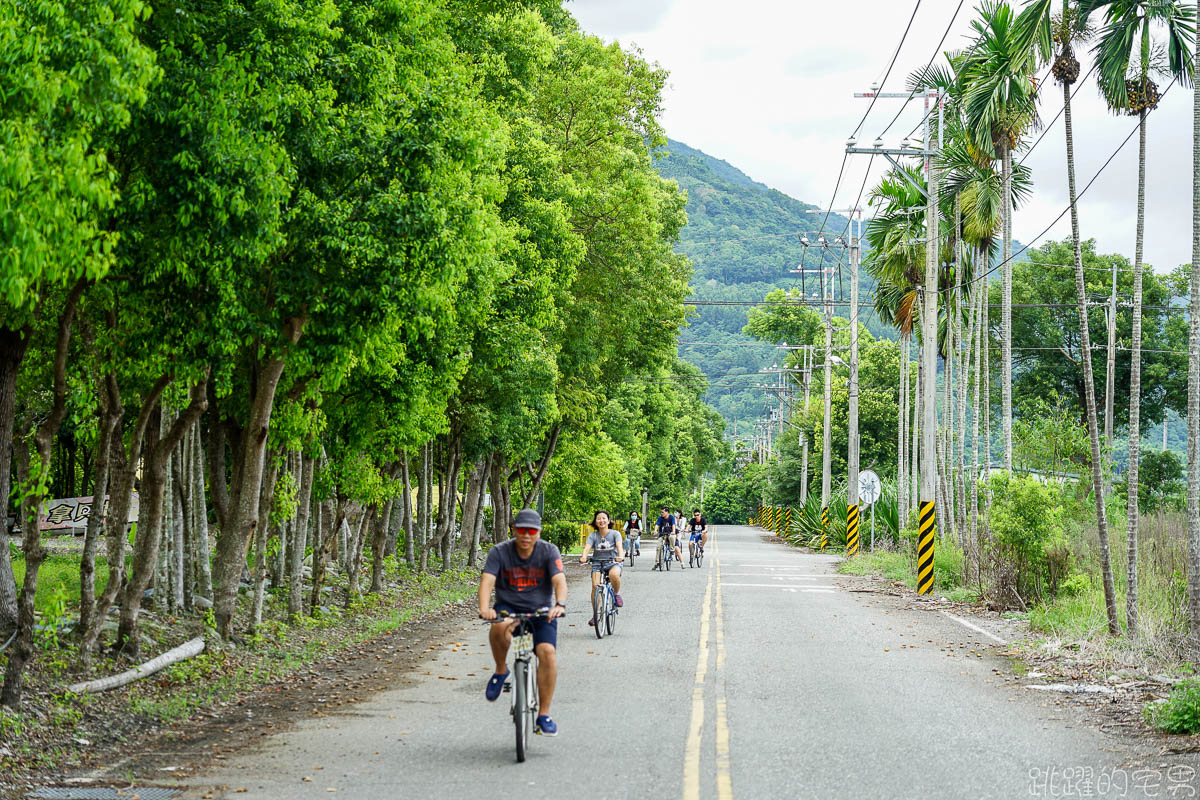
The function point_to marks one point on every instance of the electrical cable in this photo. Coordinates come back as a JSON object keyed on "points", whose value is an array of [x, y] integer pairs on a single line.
{"points": [[928, 64], [895, 55]]}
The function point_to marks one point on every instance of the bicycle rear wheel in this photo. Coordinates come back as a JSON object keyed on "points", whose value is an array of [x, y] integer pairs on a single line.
{"points": [[598, 597], [521, 721], [610, 616]]}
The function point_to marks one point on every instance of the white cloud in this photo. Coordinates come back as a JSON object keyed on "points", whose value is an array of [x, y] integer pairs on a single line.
{"points": [[768, 86]]}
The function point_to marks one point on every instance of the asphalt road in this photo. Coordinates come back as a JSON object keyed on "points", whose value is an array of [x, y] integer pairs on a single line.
{"points": [[757, 676]]}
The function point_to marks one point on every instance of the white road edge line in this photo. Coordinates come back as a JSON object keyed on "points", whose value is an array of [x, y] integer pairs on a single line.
{"points": [[975, 627]]}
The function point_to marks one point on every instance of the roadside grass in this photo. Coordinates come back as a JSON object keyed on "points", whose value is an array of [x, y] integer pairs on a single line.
{"points": [[58, 581], [1077, 617], [47, 733], [901, 566]]}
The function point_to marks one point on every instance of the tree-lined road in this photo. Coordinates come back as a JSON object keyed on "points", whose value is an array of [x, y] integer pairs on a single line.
{"points": [[758, 675]]}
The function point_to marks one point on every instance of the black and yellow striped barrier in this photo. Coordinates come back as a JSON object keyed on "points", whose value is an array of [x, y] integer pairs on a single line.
{"points": [[926, 531], [824, 527], [787, 521], [851, 530]]}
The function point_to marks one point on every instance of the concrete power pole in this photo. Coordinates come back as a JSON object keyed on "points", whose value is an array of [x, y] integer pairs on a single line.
{"points": [[827, 436], [852, 390], [926, 527]]}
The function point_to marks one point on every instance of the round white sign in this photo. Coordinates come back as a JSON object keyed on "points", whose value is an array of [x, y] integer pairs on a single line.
{"points": [[869, 487]]}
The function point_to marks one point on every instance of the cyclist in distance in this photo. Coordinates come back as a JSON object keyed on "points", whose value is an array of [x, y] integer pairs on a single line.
{"points": [[698, 526], [633, 533], [527, 575], [665, 524], [609, 553], [680, 529]]}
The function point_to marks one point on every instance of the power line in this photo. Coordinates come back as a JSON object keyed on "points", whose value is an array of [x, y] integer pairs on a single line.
{"points": [[929, 63], [895, 55], [1056, 220]]}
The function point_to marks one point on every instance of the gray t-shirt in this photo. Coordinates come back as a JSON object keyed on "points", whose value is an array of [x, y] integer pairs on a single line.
{"points": [[523, 584], [604, 548]]}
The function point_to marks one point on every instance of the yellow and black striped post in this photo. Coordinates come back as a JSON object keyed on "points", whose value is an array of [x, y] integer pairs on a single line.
{"points": [[851, 530], [926, 531], [824, 527], [787, 521]]}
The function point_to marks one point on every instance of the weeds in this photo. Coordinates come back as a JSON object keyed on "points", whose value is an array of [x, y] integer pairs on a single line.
{"points": [[1179, 713]]}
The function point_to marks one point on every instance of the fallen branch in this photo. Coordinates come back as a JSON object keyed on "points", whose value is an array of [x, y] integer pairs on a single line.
{"points": [[184, 651]]}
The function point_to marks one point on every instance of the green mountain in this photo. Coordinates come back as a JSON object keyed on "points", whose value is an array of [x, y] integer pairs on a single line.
{"points": [[744, 239]]}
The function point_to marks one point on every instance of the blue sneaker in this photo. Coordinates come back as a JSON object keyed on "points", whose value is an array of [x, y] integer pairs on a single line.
{"points": [[495, 686], [544, 726]]}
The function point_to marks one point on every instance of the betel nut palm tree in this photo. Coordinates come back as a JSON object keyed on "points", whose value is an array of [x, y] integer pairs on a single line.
{"points": [[1127, 61]]}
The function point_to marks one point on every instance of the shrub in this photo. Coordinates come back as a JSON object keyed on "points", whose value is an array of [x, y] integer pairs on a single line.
{"points": [[562, 534], [1029, 557], [1179, 713]]}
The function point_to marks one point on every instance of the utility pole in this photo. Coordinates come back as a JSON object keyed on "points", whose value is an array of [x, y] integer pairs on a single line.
{"points": [[929, 477], [852, 443]]}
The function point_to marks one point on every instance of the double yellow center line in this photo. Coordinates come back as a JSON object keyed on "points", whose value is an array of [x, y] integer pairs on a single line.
{"points": [[695, 737]]}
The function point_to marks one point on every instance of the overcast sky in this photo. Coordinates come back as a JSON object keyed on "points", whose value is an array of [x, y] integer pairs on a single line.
{"points": [[768, 86]]}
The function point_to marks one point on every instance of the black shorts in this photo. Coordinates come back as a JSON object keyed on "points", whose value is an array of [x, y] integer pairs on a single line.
{"points": [[544, 631]]}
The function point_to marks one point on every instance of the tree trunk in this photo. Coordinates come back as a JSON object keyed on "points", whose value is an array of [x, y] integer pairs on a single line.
{"points": [[409, 533], [501, 502], [980, 302], [150, 516], [200, 520], [13, 344], [249, 457], [423, 495], [116, 520], [108, 431], [1193, 406], [1135, 396], [262, 535], [367, 524], [1006, 306], [299, 535], [448, 500], [327, 531], [1085, 350], [34, 486], [379, 545], [473, 506]]}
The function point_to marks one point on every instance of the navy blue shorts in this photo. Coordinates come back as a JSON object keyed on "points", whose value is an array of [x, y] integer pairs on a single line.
{"points": [[544, 631]]}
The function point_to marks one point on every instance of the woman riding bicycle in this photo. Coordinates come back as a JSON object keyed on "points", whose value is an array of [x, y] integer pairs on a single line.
{"points": [[605, 544], [633, 533]]}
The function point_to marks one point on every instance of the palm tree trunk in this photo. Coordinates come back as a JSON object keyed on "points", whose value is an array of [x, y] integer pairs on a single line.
{"points": [[1135, 394], [1089, 388], [902, 449], [981, 304], [1006, 305], [1193, 407]]}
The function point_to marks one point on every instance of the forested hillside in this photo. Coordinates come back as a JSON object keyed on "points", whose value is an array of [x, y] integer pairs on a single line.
{"points": [[744, 238]]}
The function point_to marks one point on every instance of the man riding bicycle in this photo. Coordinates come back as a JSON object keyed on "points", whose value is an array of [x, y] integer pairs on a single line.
{"points": [[527, 575], [665, 525], [698, 526], [605, 543]]}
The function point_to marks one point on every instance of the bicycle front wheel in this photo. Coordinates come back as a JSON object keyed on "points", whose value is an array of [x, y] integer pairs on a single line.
{"points": [[521, 721], [598, 610], [699, 556]]}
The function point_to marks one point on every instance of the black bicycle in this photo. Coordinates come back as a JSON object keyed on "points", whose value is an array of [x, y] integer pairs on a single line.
{"points": [[522, 683], [695, 553], [604, 601], [633, 542], [666, 553]]}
